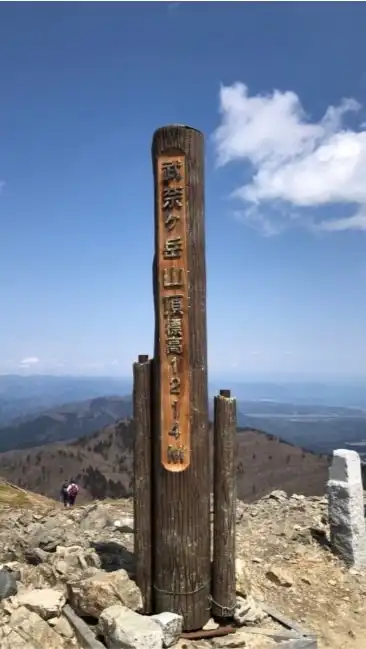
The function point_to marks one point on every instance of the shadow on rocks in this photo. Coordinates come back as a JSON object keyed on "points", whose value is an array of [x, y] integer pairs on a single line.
{"points": [[319, 535], [114, 556]]}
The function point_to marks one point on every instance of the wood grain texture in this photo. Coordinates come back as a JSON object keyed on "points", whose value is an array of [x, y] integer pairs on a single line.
{"points": [[223, 572], [285, 621], [143, 479], [181, 500], [301, 643]]}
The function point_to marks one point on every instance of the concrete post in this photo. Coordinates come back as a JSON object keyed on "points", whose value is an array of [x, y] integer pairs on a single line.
{"points": [[346, 508]]}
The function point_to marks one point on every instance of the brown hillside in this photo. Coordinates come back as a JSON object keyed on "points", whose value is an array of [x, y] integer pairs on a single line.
{"points": [[102, 464], [266, 463]]}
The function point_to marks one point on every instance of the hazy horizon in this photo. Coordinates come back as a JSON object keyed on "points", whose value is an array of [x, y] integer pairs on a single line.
{"points": [[275, 377]]}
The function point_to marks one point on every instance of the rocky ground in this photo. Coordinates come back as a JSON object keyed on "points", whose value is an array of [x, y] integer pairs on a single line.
{"points": [[67, 573]]}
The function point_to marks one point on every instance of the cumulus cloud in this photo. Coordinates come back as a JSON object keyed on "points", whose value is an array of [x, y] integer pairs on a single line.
{"points": [[30, 360], [293, 164]]}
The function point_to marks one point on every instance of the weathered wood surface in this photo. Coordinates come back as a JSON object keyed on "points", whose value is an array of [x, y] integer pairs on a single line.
{"points": [[285, 621], [275, 634], [143, 479], [181, 498], [300, 643], [82, 631], [223, 573]]}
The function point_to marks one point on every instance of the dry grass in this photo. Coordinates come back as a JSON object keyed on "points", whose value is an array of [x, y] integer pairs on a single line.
{"points": [[13, 496]]}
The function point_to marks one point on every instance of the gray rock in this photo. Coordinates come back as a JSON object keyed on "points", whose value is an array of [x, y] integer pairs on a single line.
{"points": [[124, 525], [35, 556], [69, 561], [279, 576], [8, 584], [248, 612], [53, 531], [10, 639], [14, 567], [211, 625], [125, 629], [241, 576], [35, 631], [114, 556], [46, 602], [171, 625], [103, 589], [346, 508]]}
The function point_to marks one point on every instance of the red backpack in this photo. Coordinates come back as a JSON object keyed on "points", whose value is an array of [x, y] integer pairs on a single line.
{"points": [[73, 490]]}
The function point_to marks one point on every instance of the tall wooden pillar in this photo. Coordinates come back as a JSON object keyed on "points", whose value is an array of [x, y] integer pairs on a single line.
{"points": [[181, 503], [223, 573], [142, 478]]}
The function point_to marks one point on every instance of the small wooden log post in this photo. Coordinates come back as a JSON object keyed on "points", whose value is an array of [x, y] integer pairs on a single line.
{"points": [[143, 479], [181, 501], [223, 574]]}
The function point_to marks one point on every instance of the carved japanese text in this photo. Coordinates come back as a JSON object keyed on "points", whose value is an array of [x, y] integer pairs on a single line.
{"points": [[173, 317]]}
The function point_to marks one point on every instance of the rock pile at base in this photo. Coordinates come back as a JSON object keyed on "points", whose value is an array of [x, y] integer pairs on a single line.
{"points": [[66, 582], [66, 576]]}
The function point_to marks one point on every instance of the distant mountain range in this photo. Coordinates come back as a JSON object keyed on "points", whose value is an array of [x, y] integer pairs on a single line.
{"points": [[92, 441], [102, 463], [65, 423], [25, 396], [21, 396], [316, 428]]}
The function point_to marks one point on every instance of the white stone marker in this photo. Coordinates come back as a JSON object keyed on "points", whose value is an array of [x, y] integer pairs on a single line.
{"points": [[346, 508]]}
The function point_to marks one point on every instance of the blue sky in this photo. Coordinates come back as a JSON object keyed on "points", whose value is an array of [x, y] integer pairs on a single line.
{"points": [[279, 91]]}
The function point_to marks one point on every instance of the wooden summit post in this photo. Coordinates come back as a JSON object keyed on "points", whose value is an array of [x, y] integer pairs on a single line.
{"points": [[142, 478], [181, 495], [223, 573]]}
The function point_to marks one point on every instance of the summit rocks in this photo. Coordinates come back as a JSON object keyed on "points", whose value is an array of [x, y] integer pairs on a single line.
{"points": [[84, 556], [90, 595]]}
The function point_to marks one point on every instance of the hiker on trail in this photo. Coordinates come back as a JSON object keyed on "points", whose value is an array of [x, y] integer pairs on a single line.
{"points": [[64, 493], [72, 492]]}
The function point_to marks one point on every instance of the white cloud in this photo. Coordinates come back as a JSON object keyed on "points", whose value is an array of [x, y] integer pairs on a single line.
{"points": [[30, 360], [295, 164]]}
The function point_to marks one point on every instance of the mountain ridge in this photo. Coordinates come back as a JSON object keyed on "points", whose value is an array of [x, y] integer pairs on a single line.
{"points": [[316, 428], [65, 422], [103, 465]]}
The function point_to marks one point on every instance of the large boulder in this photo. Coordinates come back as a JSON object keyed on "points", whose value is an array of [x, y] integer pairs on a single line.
{"points": [[46, 602], [26, 630], [90, 596], [125, 629]]}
